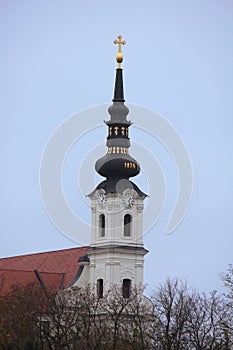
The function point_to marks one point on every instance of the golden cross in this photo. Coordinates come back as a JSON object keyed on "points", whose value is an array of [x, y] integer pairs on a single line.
{"points": [[119, 56], [119, 42]]}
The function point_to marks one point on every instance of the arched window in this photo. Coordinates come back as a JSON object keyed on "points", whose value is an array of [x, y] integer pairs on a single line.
{"points": [[127, 225], [100, 287], [102, 225], [126, 287]]}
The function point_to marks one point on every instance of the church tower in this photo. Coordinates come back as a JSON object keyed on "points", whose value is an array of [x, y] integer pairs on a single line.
{"points": [[116, 254]]}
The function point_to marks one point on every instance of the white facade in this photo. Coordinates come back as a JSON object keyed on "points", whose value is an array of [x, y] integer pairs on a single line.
{"points": [[116, 251]]}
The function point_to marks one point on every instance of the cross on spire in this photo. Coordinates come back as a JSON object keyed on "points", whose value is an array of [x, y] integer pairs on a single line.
{"points": [[119, 56], [119, 42]]}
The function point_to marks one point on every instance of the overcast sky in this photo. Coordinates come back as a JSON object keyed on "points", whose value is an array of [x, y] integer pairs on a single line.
{"points": [[58, 58]]}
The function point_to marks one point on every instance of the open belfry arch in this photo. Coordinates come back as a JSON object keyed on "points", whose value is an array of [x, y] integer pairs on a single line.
{"points": [[116, 253]]}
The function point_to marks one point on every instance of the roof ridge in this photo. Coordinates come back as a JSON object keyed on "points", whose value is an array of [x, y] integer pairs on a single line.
{"points": [[40, 253]]}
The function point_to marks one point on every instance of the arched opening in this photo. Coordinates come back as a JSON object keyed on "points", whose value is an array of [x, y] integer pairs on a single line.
{"points": [[100, 288], [127, 225], [126, 288], [102, 225]]}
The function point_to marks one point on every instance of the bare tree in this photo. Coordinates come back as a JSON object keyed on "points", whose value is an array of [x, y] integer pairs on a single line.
{"points": [[114, 305], [171, 313], [126, 319], [81, 318], [227, 324], [204, 326], [140, 315], [58, 319], [228, 282], [90, 327]]}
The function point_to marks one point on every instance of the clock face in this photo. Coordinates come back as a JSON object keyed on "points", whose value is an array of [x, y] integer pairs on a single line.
{"points": [[128, 200], [102, 200]]}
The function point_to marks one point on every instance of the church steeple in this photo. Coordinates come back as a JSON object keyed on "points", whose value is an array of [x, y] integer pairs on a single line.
{"points": [[117, 164], [116, 251]]}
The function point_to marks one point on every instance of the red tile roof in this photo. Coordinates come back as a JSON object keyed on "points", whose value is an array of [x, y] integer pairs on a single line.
{"points": [[56, 268]]}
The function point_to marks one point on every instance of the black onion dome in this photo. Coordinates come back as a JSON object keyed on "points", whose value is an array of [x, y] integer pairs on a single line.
{"points": [[117, 166]]}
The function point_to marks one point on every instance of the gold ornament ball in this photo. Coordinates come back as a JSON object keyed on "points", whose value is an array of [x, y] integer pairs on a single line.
{"points": [[119, 57]]}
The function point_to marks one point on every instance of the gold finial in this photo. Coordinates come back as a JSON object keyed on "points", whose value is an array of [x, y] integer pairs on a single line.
{"points": [[119, 55]]}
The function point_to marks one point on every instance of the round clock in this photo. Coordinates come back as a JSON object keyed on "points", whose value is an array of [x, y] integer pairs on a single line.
{"points": [[102, 200], [128, 200]]}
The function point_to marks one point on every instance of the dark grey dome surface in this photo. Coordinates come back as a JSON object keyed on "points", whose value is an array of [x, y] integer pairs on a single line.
{"points": [[113, 166]]}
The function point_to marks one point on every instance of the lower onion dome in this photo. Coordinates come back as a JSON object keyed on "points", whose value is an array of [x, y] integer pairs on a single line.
{"points": [[117, 166]]}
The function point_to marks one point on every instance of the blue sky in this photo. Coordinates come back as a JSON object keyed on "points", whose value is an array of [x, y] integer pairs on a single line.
{"points": [[58, 57]]}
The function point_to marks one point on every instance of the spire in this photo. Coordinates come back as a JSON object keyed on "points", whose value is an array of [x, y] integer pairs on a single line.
{"points": [[117, 164], [119, 91]]}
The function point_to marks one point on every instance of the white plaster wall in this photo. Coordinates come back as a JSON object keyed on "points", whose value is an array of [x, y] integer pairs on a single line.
{"points": [[115, 257], [114, 211]]}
